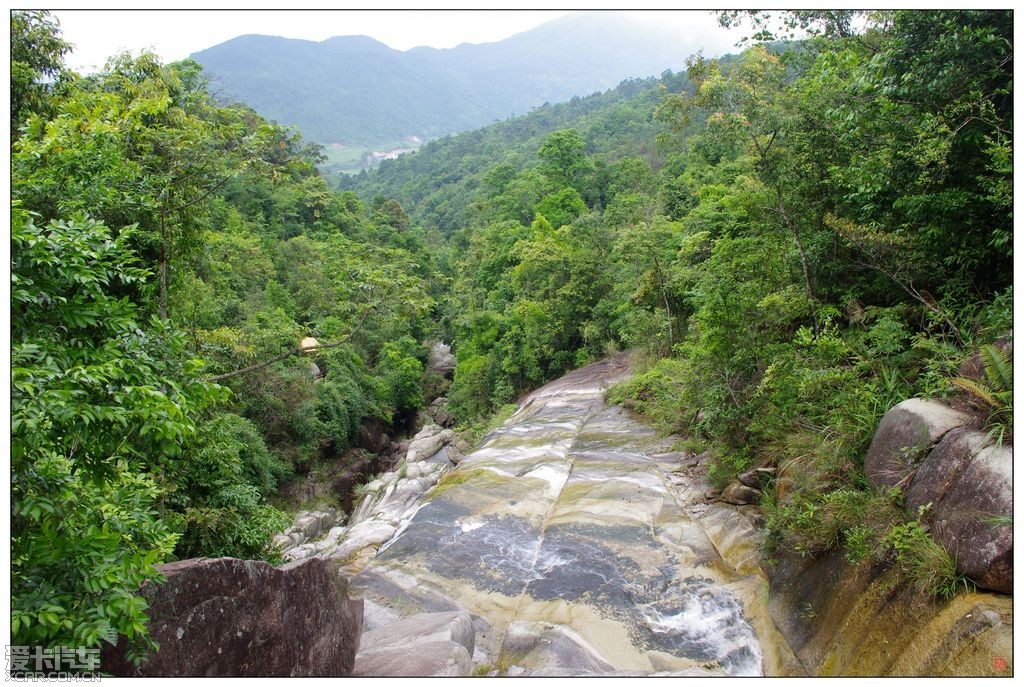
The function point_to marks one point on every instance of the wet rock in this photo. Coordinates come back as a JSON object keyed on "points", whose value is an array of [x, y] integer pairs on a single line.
{"points": [[359, 536], [740, 494], [904, 436], [434, 659], [428, 644], [441, 359], [969, 483], [229, 617]]}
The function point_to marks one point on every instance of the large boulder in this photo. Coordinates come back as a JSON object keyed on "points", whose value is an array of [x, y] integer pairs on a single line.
{"points": [[230, 617], [427, 442], [969, 483], [904, 437], [428, 644]]}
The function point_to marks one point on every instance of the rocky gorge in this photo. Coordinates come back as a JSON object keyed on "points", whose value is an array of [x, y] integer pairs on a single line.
{"points": [[574, 540]]}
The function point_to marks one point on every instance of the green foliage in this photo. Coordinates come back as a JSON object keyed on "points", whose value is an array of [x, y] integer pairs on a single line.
{"points": [[136, 195], [994, 391], [95, 407], [37, 64], [930, 568]]}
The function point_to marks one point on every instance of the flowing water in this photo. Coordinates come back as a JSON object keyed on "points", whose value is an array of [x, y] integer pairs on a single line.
{"points": [[583, 545]]}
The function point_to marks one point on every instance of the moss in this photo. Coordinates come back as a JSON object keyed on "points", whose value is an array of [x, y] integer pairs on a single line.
{"points": [[450, 481]]}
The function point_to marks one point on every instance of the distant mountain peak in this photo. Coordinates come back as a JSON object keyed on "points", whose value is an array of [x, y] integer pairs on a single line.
{"points": [[357, 90]]}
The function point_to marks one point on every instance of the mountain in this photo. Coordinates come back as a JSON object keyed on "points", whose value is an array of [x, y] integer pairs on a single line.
{"points": [[356, 90]]}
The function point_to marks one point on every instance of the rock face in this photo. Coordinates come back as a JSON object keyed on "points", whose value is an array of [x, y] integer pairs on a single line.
{"points": [[904, 437], [969, 483], [577, 546], [428, 442], [928, 450], [434, 644], [306, 526], [859, 620], [229, 617]]}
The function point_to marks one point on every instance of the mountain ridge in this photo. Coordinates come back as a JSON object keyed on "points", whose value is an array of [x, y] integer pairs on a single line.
{"points": [[356, 89]]}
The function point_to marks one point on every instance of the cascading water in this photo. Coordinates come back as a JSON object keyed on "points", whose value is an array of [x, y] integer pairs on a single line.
{"points": [[577, 538]]}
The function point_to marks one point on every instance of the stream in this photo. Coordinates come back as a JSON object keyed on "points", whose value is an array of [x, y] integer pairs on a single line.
{"points": [[583, 544]]}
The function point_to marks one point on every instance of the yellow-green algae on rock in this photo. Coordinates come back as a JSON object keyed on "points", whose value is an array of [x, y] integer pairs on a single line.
{"points": [[581, 544]]}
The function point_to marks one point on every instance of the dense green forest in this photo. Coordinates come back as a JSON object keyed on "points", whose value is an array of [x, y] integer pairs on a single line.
{"points": [[796, 239], [791, 240]]}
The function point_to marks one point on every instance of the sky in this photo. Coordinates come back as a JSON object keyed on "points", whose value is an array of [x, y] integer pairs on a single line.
{"points": [[174, 35]]}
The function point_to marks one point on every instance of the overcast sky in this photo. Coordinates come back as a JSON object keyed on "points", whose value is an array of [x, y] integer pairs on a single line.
{"points": [[173, 35]]}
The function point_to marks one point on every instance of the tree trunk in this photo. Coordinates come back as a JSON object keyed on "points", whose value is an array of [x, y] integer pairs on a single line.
{"points": [[803, 256], [163, 266]]}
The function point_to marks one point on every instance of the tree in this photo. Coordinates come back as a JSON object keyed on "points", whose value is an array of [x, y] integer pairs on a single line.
{"points": [[37, 63], [142, 144], [100, 404], [564, 158], [750, 102]]}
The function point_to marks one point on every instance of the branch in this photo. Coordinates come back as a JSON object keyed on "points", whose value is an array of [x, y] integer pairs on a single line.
{"points": [[294, 351], [916, 295], [204, 196]]}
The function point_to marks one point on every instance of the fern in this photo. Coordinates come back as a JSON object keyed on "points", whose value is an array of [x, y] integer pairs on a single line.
{"points": [[977, 390], [998, 369], [996, 391]]}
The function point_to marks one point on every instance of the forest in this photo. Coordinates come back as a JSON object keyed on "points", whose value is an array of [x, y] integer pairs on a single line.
{"points": [[789, 240]]}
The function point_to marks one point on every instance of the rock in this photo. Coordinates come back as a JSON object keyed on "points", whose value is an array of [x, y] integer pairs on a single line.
{"points": [[904, 436], [973, 368], [428, 445], [309, 344], [229, 617], [441, 359], [367, 533], [740, 494], [436, 659], [439, 413], [462, 446], [756, 478], [969, 483], [372, 436], [428, 644]]}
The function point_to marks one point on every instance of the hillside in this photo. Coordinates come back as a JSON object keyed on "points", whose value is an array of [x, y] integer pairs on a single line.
{"points": [[437, 184], [356, 90]]}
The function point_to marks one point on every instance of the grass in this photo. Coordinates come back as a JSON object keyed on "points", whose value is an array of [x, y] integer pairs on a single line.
{"points": [[926, 563]]}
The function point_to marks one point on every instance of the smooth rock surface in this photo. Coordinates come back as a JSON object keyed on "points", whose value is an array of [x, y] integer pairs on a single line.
{"points": [[904, 437], [565, 534], [969, 483], [441, 359], [863, 620], [229, 617]]}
